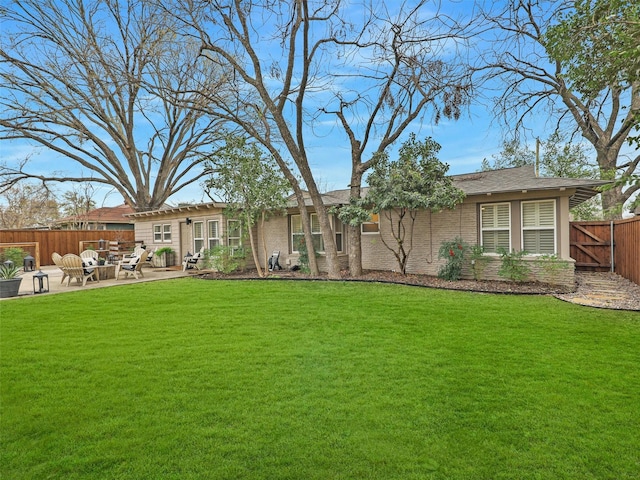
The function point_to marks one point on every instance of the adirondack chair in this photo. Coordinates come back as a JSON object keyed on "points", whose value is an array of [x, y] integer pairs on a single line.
{"points": [[57, 261], [192, 261], [74, 268], [89, 254], [137, 252], [132, 266], [274, 264]]}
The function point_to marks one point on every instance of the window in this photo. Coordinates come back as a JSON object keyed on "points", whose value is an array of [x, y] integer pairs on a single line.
{"points": [[539, 227], [338, 228], [162, 233], [495, 226], [372, 225], [198, 236], [234, 234], [157, 233], [297, 234], [214, 234]]}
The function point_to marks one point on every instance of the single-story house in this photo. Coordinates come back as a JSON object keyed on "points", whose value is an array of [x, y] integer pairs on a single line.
{"points": [[104, 218], [511, 208]]}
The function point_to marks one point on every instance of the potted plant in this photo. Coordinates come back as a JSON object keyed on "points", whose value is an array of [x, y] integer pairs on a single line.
{"points": [[101, 260], [10, 280], [163, 257]]}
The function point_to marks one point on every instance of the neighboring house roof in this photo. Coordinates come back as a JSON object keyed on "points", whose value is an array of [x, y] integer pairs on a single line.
{"points": [[507, 180], [100, 215]]}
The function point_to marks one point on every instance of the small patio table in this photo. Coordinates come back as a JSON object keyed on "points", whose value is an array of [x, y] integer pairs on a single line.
{"points": [[106, 271]]}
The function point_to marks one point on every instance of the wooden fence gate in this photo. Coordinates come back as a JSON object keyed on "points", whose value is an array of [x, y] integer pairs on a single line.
{"points": [[591, 245]]}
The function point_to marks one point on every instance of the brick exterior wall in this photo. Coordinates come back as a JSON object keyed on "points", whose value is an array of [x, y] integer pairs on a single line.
{"points": [[430, 230]]}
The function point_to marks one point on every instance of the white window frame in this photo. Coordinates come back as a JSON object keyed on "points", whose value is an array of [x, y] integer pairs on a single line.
{"points": [[161, 233], [373, 223], [495, 229], [317, 233], [524, 228], [213, 238], [198, 241], [166, 233], [338, 232], [231, 239]]}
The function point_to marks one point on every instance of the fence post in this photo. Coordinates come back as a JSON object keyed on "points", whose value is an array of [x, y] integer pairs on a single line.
{"points": [[613, 258]]}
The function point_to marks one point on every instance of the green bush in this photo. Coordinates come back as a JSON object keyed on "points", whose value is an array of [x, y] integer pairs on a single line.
{"points": [[454, 252], [513, 267], [15, 254], [478, 261], [303, 259], [225, 259]]}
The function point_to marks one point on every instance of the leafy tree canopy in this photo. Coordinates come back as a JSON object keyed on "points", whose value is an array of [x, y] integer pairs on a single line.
{"points": [[399, 189], [417, 180], [599, 41], [249, 181]]}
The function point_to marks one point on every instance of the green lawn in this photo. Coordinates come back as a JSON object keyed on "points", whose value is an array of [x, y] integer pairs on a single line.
{"points": [[200, 379]]}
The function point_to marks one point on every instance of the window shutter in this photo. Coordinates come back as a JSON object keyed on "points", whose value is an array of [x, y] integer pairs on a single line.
{"points": [[197, 230], [213, 229], [296, 224], [502, 216], [315, 223]]}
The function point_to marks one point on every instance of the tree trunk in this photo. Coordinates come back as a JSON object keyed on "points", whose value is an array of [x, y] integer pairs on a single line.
{"points": [[254, 250], [264, 242], [355, 233], [330, 251], [613, 199], [306, 227]]}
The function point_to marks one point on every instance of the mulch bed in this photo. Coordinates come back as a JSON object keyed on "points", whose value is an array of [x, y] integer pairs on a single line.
{"points": [[486, 286]]}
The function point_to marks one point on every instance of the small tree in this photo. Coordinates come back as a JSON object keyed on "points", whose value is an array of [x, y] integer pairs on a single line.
{"points": [[399, 189], [250, 183]]}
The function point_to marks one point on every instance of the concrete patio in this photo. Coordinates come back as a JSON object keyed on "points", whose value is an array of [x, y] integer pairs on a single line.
{"points": [[151, 274]]}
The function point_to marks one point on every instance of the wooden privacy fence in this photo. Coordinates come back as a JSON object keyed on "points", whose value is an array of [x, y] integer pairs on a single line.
{"points": [[63, 241], [593, 243]]}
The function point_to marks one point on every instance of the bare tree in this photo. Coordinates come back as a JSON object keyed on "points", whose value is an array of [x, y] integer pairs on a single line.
{"points": [[413, 66], [28, 205], [105, 84], [291, 62], [77, 203], [537, 80]]}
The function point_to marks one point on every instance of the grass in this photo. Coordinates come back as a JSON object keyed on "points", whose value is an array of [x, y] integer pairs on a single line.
{"points": [[189, 379]]}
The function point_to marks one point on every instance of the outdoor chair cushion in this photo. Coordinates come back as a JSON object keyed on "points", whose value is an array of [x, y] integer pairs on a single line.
{"points": [[88, 264]]}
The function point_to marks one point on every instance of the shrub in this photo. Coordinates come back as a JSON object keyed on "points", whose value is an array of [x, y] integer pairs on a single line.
{"points": [[454, 252], [303, 259], [225, 259], [513, 267], [15, 254], [478, 261]]}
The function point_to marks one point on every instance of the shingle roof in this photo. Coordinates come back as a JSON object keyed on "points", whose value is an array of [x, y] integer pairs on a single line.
{"points": [[508, 180]]}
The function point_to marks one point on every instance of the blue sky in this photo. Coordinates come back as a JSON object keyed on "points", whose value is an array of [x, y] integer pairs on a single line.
{"points": [[465, 143]]}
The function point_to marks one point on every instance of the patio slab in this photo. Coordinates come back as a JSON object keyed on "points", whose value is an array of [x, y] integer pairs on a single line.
{"points": [[55, 276]]}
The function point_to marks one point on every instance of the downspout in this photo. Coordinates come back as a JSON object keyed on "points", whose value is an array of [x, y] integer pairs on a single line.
{"points": [[612, 248]]}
